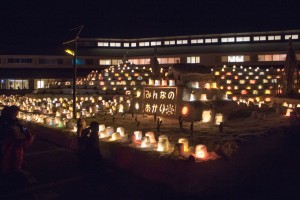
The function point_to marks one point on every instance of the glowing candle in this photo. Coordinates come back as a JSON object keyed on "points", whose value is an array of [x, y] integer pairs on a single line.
{"points": [[121, 131], [185, 143], [201, 151], [151, 137]]}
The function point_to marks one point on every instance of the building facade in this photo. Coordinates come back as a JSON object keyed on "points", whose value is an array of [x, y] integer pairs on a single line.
{"points": [[255, 49]]}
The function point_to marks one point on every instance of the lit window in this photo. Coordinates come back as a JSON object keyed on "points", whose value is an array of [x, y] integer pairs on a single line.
{"points": [[196, 41], [182, 41], [126, 44], [230, 39], [236, 58], [272, 57], [142, 61], [104, 62], [294, 37], [277, 37], [133, 44], [168, 60], [40, 84], [193, 59], [115, 61], [242, 39], [259, 38], [170, 42], [115, 44], [143, 44], [211, 40], [155, 43], [102, 44]]}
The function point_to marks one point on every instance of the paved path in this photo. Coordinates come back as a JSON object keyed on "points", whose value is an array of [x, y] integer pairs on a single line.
{"points": [[55, 174]]}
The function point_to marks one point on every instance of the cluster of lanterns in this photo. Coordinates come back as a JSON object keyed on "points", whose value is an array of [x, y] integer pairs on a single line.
{"points": [[255, 82], [163, 145], [57, 112], [123, 79]]}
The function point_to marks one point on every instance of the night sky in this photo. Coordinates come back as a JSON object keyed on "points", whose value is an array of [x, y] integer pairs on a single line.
{"points": [[31, 26]]}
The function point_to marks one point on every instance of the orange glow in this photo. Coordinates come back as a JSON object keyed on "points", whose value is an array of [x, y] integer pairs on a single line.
{"points": [[185, 110], [252, 81], [268, 99], [207, 85], [244, 92], [201, 151]]}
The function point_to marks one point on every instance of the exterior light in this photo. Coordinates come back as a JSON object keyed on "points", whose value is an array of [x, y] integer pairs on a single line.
{"points": [[69, 51]]}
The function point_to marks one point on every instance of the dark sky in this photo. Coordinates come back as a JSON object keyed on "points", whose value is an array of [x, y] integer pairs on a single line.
{"points": [[29, 26]]}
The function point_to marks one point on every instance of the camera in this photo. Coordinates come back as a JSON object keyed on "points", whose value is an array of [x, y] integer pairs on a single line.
{"points": [[24, 129]]}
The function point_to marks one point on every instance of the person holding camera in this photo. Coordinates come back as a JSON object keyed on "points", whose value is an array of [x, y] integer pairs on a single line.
{"points": [[15, 138]]}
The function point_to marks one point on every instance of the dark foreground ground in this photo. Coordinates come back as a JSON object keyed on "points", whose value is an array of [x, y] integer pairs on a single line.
{"points": [[271, 171]]}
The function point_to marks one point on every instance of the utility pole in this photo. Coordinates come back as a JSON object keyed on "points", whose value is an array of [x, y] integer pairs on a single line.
{"points": [[74, 53]]}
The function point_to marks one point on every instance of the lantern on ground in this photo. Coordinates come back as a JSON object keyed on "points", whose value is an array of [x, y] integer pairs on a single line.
{"points": [[288, 112], [101, 127], [109, 131], [206, 116], [203, 97], [178, 149], [145, 142], [138, 135], [151, 137], [116, 136], [218, 118], [163, 143], [121, 131], [201, 151], [185, 143]]}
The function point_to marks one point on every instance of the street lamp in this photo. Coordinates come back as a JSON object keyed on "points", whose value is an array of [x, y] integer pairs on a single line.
{"points": [[74, 54]]}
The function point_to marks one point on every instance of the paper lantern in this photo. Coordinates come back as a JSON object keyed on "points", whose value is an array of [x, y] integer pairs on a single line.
{"points": [[171, 82], [145, 142], [163, 143], [151, 137], [121, 131], [138, 135], [103, 134], [192, 97], [203, 97], [164, 82], [185, 143], [157, 82], [201, 151], [101, 127], [178, 149], [218, 118], [116, 136], [206, 116], [288, 112], [185, 111], [109, 131], [151, 82]]}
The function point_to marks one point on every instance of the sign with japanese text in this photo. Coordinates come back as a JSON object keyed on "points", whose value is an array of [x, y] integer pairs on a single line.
{"points": [[160, 100]]}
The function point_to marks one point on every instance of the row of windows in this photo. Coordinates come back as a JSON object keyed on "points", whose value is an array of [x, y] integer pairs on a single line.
{"points": [[50, 61], [141, 61], [272, 57], [199, 41], [146, 61], [260, 58], [19, 60]]}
